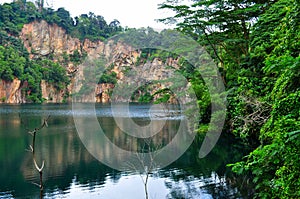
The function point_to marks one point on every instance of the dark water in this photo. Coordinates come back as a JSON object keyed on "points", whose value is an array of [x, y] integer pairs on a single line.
{"points": [[71, 172]]}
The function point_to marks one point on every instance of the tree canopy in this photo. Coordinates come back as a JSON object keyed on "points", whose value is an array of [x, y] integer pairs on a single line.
{"points": [[256, 45], [223, 27], [14, 15]]}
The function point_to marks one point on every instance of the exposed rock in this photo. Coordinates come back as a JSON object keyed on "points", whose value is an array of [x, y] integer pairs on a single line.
{"points": [[10, 92], [42, 39], [50, 93], [103, 92]]}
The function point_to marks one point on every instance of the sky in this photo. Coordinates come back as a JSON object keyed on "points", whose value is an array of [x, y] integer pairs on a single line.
{"points": [[131, 13]]}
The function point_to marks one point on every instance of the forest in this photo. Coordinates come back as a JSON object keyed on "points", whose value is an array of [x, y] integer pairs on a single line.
{"points": [[256, 46], [254, 43]]}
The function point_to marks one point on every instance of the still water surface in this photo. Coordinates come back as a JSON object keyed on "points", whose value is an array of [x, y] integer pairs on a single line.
{"points": [[71, 172]]}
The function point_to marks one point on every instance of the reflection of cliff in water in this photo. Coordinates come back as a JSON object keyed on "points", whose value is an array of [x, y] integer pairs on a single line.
{"points": [[60, 147], [58, 144], [68, 162], [135, 144]]}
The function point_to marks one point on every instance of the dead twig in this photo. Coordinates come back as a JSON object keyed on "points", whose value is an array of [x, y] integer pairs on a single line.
{"points": [[32, 150], [146, 161], [257, 113]]}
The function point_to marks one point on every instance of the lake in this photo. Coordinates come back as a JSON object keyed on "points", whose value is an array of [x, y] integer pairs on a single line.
{"points": [[72, 172]]}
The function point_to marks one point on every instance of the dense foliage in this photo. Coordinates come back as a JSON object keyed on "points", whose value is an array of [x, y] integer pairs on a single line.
{"points": [[14, 58], [275, 164], [14, 15], [256, 45]]}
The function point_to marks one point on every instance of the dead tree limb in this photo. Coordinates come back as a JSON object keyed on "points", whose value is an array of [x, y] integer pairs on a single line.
{"points": [[32, 150], [145, 163]]}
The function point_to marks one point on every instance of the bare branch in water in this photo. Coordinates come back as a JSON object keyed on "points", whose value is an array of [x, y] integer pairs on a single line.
{"points": [[37, 167], [146, 161], [32, 150]]}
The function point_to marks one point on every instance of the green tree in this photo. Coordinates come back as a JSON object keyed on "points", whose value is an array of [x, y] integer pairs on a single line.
{"points": [[11, 63], [108, 77], [14, 58], [223, 27], [275, 165], [54, 73], [32, 80]]}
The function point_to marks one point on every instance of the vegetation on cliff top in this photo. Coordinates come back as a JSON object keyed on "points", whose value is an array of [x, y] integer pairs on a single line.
{"points": [[256, 47], [14, 15], [14, 58]]}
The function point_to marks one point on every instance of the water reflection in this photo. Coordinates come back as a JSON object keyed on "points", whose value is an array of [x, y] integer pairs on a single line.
{"points": [[71, 172]]}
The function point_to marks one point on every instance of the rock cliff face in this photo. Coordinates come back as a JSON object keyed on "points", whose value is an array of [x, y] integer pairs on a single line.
{"points": [[50, 93], [49, 40], [42, 39], [10, 92]]}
